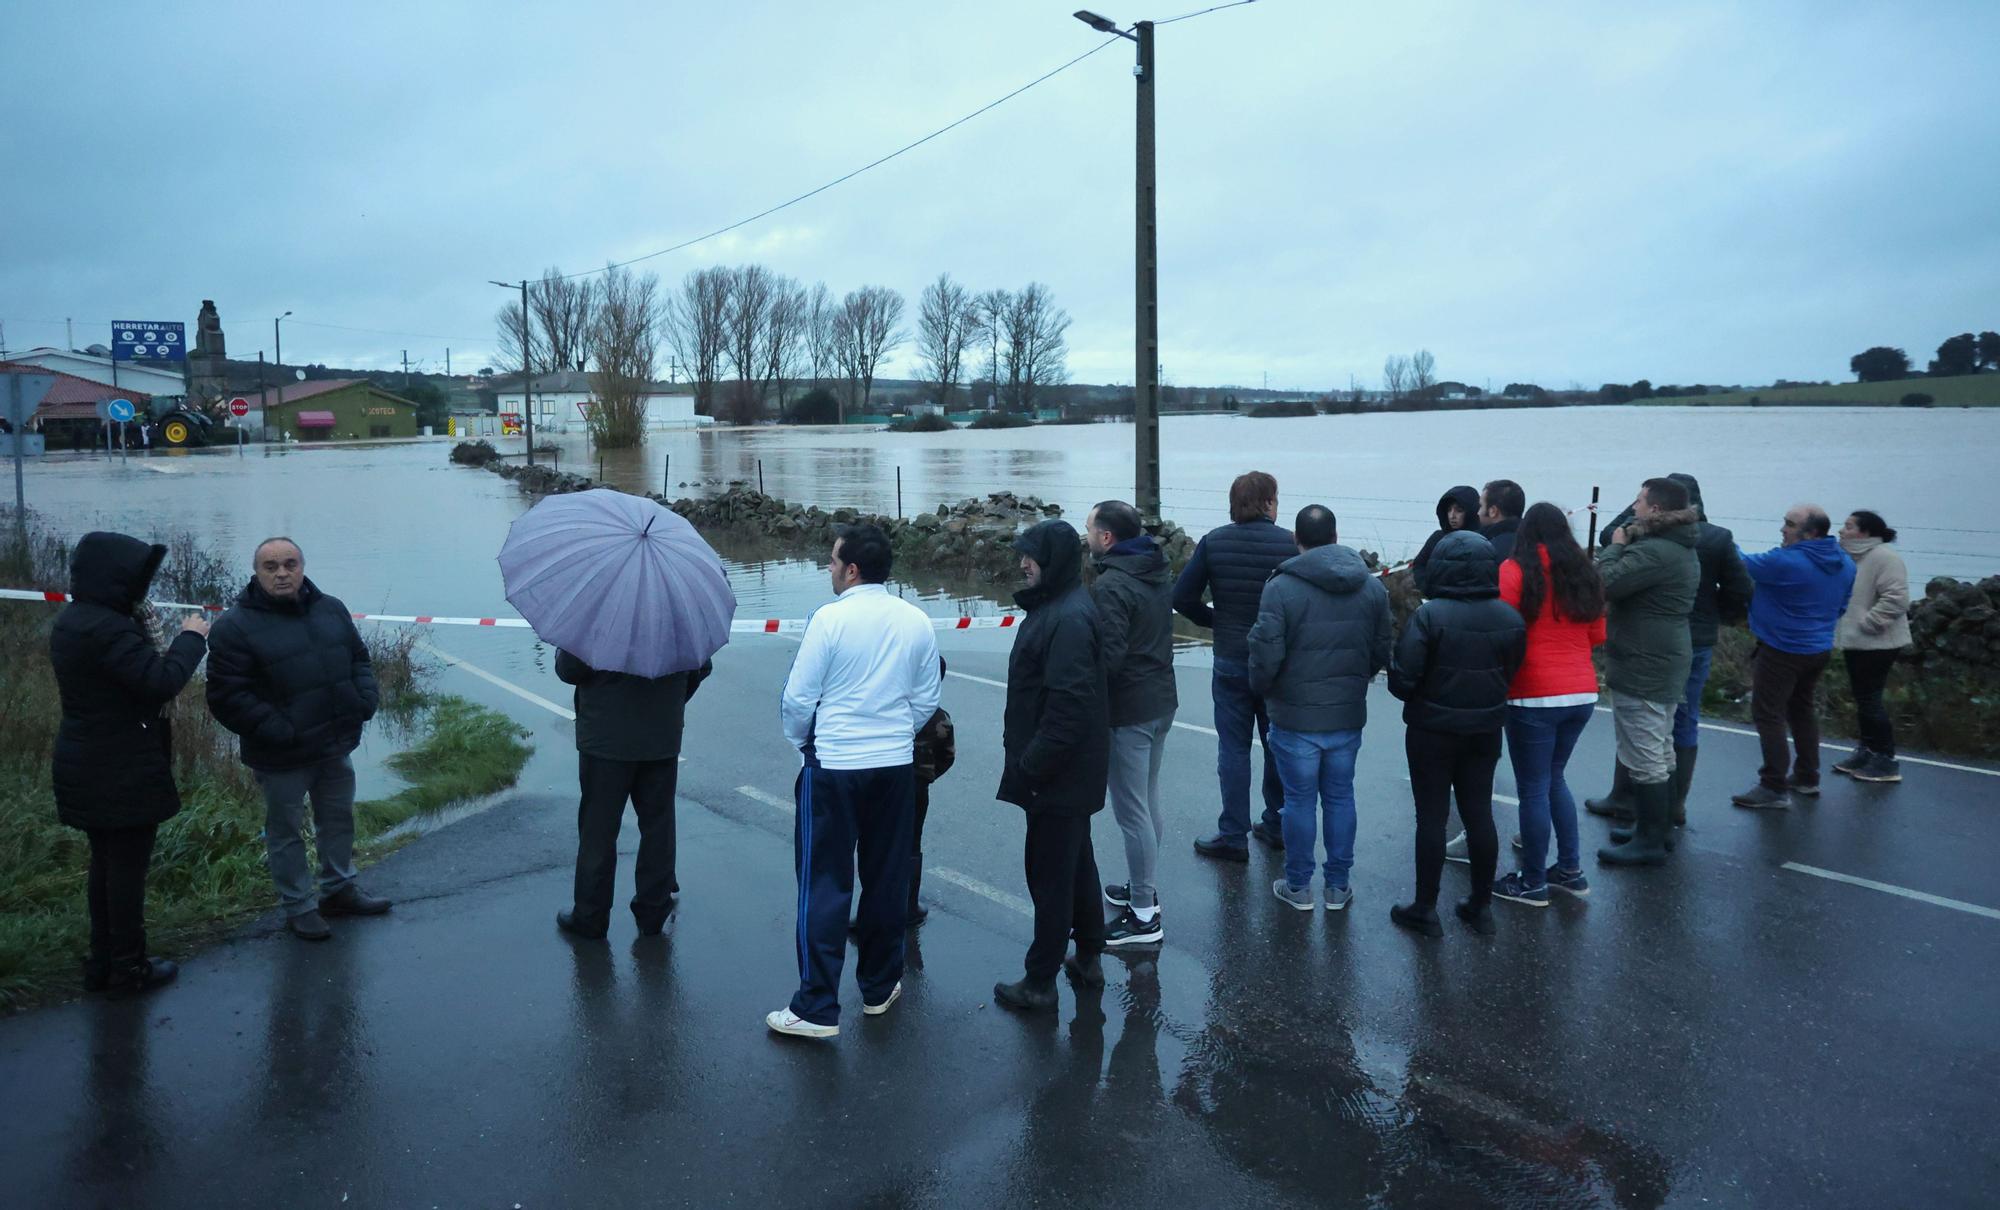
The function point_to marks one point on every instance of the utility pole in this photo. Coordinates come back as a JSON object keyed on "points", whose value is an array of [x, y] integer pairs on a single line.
{"points": [[447, 361], [406, 369], [1146, 399], [69, 335]]}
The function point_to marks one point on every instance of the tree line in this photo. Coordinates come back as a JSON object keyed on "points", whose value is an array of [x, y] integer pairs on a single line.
{"points": [[747, 337], [1957, 356]]}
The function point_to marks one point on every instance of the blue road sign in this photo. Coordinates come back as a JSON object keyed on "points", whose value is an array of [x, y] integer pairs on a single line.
{"points": [[120, 410], [132, 340]]}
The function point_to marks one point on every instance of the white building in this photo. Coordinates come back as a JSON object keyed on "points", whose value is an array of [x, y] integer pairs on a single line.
{"points": [[561, 403], [134, 376]]}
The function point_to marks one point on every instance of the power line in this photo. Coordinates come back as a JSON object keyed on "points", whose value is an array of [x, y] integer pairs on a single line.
{"points": [[386, 331], [857, 172], [1202, 13]]}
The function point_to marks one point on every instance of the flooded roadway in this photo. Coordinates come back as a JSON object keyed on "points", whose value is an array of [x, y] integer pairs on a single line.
{"points": [[1731, 1030]]}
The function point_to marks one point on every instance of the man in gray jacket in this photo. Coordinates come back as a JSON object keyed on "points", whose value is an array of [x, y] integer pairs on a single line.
{"points": [[1135, 608], [1322, 634]]}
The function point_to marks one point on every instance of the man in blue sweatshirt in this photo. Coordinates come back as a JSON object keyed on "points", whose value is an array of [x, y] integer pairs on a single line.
{"points": [[1802, 588]]}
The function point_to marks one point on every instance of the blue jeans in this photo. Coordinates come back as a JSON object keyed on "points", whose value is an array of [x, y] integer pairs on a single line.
{"points": [[1317, 768], [1687, 715], [1236, 708], [1539, 741]]}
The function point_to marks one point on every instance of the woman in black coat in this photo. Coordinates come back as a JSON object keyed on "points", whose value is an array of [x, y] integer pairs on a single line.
{"points": [[113, 774]]}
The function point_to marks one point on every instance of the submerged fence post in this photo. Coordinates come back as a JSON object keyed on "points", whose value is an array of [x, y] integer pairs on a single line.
{"points": [[667, 476], [899, 493], [760, 476], [1590, 538]]}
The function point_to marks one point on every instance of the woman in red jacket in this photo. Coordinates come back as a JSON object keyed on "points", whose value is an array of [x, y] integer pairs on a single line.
{"points": [[1554, 584]]}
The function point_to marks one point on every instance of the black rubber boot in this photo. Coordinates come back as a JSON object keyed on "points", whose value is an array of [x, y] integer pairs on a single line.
{"points": [[131, 976], [1648, 843], [917, 910], [1684, 759], [1027, 995], [1618, 803]]}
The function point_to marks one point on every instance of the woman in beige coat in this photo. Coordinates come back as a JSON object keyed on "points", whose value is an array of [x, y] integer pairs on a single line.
{"points": [[1872, 633]]}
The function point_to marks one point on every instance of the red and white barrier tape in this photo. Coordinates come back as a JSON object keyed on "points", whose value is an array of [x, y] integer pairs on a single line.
{"points": [[1002, 621]]}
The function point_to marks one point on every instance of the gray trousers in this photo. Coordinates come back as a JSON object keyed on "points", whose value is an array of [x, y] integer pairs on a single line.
{"points": [[330, 786], [1645, 732], [1136, 753]]}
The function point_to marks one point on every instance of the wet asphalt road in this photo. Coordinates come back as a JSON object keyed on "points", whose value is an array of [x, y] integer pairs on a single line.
{"points": [[1723, 1031]]}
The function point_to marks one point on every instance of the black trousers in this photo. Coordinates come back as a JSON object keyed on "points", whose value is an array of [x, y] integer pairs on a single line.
{"points": [[607, 785], [1781, 697], [1062, 881], [1868, 676], [117, 890], [851, 821], [1442, 763]]}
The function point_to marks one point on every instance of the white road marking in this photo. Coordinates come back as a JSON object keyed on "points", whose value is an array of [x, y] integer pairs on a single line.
{"points": [[986, 890], [509, 686], [1908, 760], [1956, 905], [158, 470], [770, 800]]}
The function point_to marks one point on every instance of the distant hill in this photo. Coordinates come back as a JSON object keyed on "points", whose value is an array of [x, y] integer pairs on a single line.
{"points": [[1972, 390]]}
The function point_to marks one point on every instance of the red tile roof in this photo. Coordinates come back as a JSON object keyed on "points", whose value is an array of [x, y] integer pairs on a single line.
{"points": [[298, 392], [73, 398]]}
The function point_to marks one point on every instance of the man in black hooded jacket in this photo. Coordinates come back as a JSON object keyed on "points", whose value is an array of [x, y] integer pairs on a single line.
{"points": [[288, 673], [1057, 736]]}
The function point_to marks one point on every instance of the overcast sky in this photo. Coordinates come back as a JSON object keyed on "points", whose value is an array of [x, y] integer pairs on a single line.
{"points": [[1549, 192]]}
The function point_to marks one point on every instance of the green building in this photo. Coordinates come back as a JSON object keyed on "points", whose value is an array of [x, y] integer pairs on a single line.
{"points": [[336, 409]]}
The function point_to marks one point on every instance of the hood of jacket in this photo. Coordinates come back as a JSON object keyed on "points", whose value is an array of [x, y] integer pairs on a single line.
{"points": [[1675, 525], [1331, 568], [1823, 555], [253, 596], [113, 570], [1466, 498], [1140, 558], [1055, 546], [1463, 567], [1694, 493]]}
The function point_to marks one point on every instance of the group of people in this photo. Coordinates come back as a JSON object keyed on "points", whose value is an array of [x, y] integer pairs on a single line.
{"points": [[1498, 656], [287, 673]]}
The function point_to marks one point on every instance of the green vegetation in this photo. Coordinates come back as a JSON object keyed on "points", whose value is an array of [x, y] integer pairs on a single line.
{"points": [[1000, 420], [1970, 390], [1283, 408], [208, 868], [929, 422]]}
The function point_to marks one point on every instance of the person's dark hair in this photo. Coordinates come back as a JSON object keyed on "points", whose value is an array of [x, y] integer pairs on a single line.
{"points": [[867, 547], [1506, 496], [1572, 577], [278, 538], [1316, 527], [1872, 524], [1119, 519], [1817, 523], [1251, 494], [1667, 495]]}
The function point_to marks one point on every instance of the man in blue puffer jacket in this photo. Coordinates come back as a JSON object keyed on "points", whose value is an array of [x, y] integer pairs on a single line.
{"points": [[1231, 565], [1802, 588]]}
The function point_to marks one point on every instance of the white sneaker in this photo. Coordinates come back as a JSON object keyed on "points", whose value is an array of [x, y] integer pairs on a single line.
{"points": [[1456, 849], [876, 1010], [785, 1021]]}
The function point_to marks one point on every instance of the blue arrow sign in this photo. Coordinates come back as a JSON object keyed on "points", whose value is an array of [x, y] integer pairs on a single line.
{"points": [[120, 410]]}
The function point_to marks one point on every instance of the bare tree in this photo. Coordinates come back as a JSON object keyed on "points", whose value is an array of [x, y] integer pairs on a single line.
{"points": [[625, 337], [562, 308], [746, 321], [864, 331], [1034, 344], [1423, 371], [818, 332], [784, 336], [516, 335], [946, 320], [991, 308], [1396, 375], [696, 326]]}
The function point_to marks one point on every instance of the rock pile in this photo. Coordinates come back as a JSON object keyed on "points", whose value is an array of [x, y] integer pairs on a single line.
{"points": [[1956, 627]]}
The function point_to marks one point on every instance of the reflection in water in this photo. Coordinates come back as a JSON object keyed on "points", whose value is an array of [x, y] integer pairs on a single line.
{"points": [[124, 1134], [314, 1057]]}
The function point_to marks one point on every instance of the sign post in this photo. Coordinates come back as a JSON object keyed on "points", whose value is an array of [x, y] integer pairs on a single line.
{"points": [[121, 412], [239, 407], [24, 395]]}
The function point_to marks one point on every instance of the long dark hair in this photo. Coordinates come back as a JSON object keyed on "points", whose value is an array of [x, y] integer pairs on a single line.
{"points": [[1872, 525], [1578, 593]]}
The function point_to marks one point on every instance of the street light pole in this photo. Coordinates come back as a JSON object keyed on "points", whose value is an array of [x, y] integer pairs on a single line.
{"points": [[527, 366], [1146, 279], [1146, 271], [278, 354]]}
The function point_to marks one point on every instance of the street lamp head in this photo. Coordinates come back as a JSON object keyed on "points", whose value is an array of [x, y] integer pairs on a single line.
{"points": [[504, 285], [1103, 25], [283, 316]]}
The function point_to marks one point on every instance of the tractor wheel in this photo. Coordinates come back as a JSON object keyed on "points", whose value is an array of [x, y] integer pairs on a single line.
{"points": [[177, 432]]}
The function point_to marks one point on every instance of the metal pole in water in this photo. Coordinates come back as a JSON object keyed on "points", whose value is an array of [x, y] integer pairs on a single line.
{"points": [[760, 476], [667, 476], [1590, 539], [899, 492], [20, 436]]}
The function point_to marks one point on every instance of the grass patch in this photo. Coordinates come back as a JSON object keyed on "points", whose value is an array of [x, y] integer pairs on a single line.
{"points": [[467, 752], [1000, 420], [929, 422], [1967, 391], [208, 869]]}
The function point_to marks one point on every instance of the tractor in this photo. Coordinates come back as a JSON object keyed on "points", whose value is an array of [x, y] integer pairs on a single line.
{"points": [[178, 421]]}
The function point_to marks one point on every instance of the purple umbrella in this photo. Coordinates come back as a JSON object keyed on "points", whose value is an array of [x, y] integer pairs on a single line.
{"points": [[618, 582]]}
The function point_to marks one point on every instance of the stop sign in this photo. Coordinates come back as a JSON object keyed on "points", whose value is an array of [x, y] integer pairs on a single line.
{"points": [[239, 407]]}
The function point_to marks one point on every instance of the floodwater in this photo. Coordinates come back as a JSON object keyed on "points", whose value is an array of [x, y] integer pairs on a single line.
{"points": [[398, 529]]}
